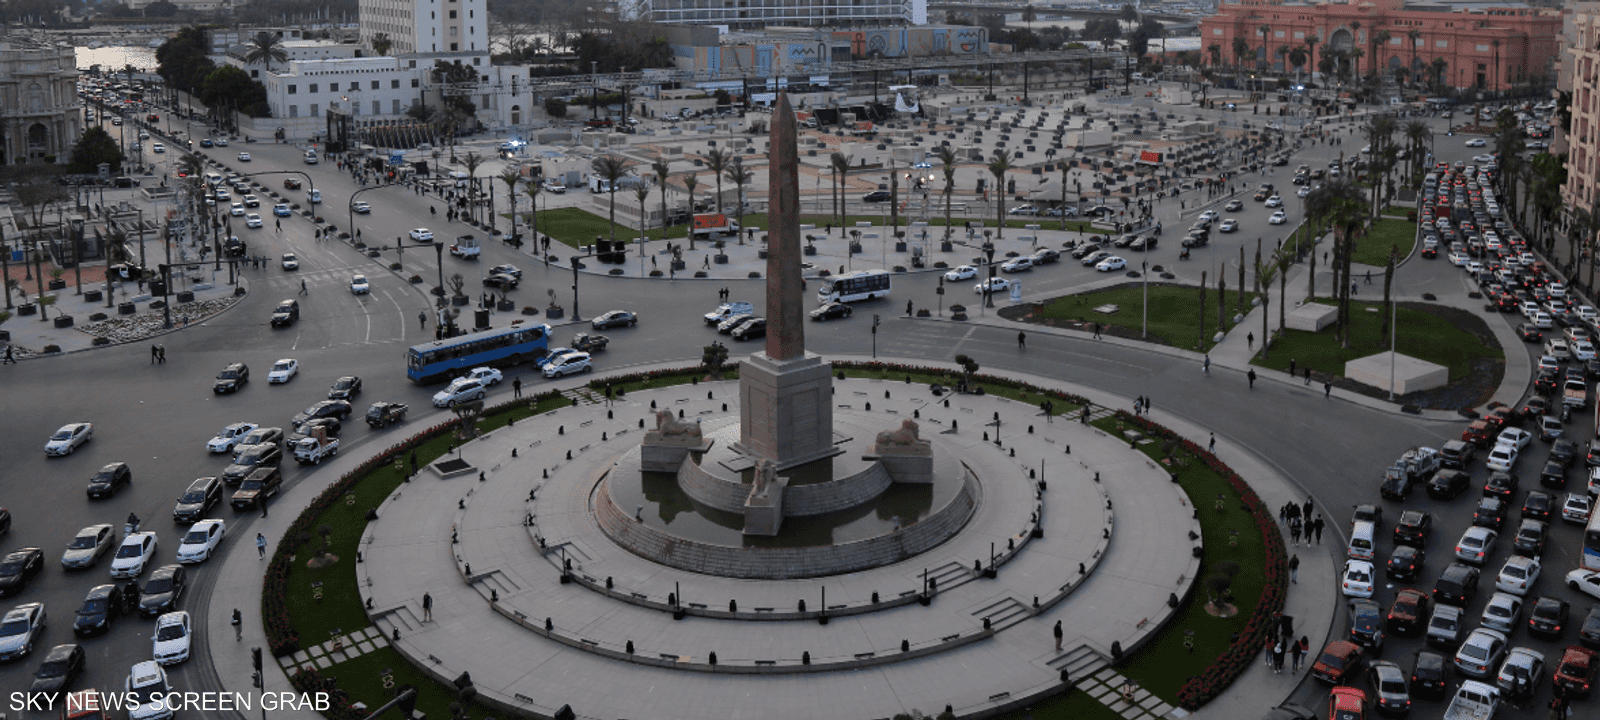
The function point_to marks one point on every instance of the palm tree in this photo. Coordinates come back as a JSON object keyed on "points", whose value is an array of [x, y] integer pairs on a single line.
{"points": [[717, 160], [1311, 51], [612, 168], [643, 193], [1266, 272], [472, 160], [998, 165], [532, 190], [947, 158], [266, 47], [510, 177], [1216, 53], [1297, 58], [1266, 45], [1241, 48], [1355, 33], [841, 171], [1494, 82], [381, 43], [1418, 134], [1414, 35], [690, 182], [1439, 65], [739, 176], [1379, 38], [1355, 62], [661, 168]]}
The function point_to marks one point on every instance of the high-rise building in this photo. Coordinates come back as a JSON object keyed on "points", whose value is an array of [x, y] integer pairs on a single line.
{"points": [[750, 14], [426, 26], [41, 116], [1580, 71]]}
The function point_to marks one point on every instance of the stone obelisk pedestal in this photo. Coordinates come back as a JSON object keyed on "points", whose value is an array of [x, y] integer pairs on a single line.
{"points": [[786, 393]]}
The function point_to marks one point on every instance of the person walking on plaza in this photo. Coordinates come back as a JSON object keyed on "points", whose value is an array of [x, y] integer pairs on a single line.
{"points": [[1278, 652], [516, 389], [261, 545], [1252, 377], [154, 354], [1211, 447], [303, 287], [9, 358], [1022, 337], [1291, 367], [1294, 530], [1308, 376], [1305, 509], [1327, 389], [238, 625], [1058, 633], [1316, 529], [427, 607], [422, 319], [1298, 654], [1250, 340], [1294, 578], [1206, 366]]}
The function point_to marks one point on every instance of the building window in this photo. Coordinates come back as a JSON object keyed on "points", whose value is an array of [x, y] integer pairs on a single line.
{"points": [[294, 111], [314, 108], [1299, 35], [374, 84], [1483, 48], [453, 30], [255, 73], [394, 106], [1277, 34], [452, 14], [313, 89], [376, 108], [414, 83], [1216, 31], [394, 84], [454, 47], [293, 89], [1441, 43]]}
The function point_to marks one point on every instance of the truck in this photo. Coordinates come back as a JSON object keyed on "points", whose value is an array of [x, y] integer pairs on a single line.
{"points": [[728, 310], [1474, 701], [1575, 393], [709, 224], [584, 342], [1416, 464], [466, 247], [599, 185], [384, 414], [313, 450]]}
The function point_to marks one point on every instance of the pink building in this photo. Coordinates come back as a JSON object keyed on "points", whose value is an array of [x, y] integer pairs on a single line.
{"points": [[1483, 45], [1579, 70]]}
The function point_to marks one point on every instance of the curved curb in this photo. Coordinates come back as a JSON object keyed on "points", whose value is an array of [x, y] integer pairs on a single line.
{"points": [[163, 332]]}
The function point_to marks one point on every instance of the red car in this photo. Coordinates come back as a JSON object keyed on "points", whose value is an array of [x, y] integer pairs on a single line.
{"points": [[1406, 615], [1347, 703], [1577, 670], [1338, 662], [1478, 433]]}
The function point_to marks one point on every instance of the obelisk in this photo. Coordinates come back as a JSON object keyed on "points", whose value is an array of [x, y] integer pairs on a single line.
{"points": [[786, 410]]}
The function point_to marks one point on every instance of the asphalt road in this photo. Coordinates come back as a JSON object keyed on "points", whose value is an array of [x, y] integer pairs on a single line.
{"points": [[158, 417]]}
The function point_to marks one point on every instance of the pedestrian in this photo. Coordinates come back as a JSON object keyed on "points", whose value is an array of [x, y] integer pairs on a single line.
{"points": [[1308, 376], [1252, 376], [238, 625], [609, 394], [908, 308], [1211, 447], [1316, 528], [1058, 633], [279, 223], [154, 354], [161, 354], [516, 389], [261, 545], [1298, 654], [427, 607], [1206, 366], [1294, 578], [302, 287], [1097, 331], [422, 319], [262, 501], [1267, 650], [1369, 277], [1294, 530], [1278, 651], [1049, 407], [1250, 340], [1147, 405], [1291, 367], [706, 261], [1305, 509], [9, 359], [1022, 338]]}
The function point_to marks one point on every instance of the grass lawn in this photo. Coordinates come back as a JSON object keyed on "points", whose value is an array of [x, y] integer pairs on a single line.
{"points": [[1421, 335], [1174, 311], [1373, 248], [1075, 705], [365, 679], [1398, 210], [576, 227]]}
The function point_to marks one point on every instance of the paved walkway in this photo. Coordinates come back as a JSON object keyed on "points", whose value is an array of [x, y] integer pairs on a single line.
{"points": [[476, 626]]}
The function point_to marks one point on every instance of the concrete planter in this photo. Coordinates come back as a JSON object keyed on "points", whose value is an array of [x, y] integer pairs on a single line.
{"points": [[459, 300], [127, 308], [185, 297], [56, 284], [63, 321], [93, 296], [26, 309], [555, 312]]}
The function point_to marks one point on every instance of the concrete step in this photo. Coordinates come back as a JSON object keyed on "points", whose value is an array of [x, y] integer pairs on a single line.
{"points": [[1081, 663], [1003, 612]]}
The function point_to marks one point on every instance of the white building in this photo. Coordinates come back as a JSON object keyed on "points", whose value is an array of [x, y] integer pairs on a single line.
{"points": [[427, 26], [41, 116], [748, 14]]}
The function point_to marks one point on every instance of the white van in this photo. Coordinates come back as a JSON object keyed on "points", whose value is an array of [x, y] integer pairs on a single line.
{"points": [[1363, 541], [314, 197], [461, 178], [311, 157]]}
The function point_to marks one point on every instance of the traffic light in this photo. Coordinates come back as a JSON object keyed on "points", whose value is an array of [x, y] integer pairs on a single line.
{"points": [[875, 321], [406, 696], [255, 658]]}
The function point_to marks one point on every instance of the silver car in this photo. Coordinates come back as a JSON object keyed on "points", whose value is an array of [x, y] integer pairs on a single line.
{"points": [[20, 629], [1391, 688], [1521, 663], [85, 549]]}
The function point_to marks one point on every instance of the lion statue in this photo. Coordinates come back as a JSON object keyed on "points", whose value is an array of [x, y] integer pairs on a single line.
{"points": [[906, 436], [669, 426]]}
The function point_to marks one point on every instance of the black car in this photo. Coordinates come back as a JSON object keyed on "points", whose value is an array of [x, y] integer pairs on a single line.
{"points": [[1529, 333], [1589, 632], [1564, 451], [260, 436], [1457, 585], [1553, 475], [1045, 256], [251, 457], [502, 281], [1546, 382], [831, 311], [1431, 675], [345, 388], [99, 609], [1548, 618], [162, 593], [1447, 484], [614, 319], [753, 328], [1405, 564], [326, 408], [1195, 240], [232, 377], [1530, 538], [876, 196], [109, 480], [330, 426], [1501, 485], [1413, 528], [59, 669], [203, 494], [1366, 625], [5, 521], [18, 568], [384, 414], [1490, 513], [1457, 454], [285, 314]]}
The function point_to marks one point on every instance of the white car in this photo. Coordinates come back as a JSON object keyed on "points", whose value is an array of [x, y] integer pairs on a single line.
{"points": [[133, 554], [1477, 142], [252, 220], [1111, 264], [1585, 581], [1514, 436], [359, 286], [20, 629], [1303, 191], [1278, 218], [1557, 348], [1017, 264], [1586, 312], [1358, 579], [147, 683], [361, 206], [201, 541], [458, 391], [1483, 158], [1502, 458], [158, 148], [170, 641], [1474, 267], [568, 365], [229, 437], [1556, 289], [1024, 210], [1518, 575], [964, 272], [421, 234], [1210, 215], [1475, 545], [290, 262], [995, 285], [1228, 225], [554, 187], [1583, 351], [1503, 612], [1274, 201], [244, 157], [68, 438], [1576, 509], [283, 371], [1543, 320], [1480, 653], [236, 209], [486, 375], [1458, 258]]}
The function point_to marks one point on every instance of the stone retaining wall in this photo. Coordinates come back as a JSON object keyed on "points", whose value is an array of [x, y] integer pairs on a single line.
{"points": [[708, 489], [820, 498]]}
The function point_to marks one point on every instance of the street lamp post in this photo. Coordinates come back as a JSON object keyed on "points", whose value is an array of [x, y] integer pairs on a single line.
{"points": [[575, 315], [988, 286]]}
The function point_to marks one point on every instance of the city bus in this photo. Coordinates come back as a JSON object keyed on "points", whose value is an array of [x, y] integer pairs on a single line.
{"points": [[499, 347], [1591, 544], [854, 286]]}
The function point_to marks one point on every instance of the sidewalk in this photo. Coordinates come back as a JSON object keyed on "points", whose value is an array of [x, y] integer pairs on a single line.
{"points": [[29, 335]]}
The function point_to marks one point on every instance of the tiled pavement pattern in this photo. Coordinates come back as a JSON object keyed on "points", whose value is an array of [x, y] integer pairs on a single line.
{"points": [[337, 650]]}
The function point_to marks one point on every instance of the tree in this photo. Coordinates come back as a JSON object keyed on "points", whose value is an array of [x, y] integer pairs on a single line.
{"points": [[161, 9], [998, 165], [612, 168], [472, 161], [841, 171], [662, 169], [643, 193], [510, 176], [739, 176], [969, 368], [714, 356], [228, 86], [94, 147], [1216, 53], [1266, 271], [1311, 50], [555, 107], [1355, 30], [1439, 66], [1413, 36], [1266, 45], [690, 182], [532, 190], [947, 158], [266, 47], [1379, 38], [381, 43], [1241, 48], [1388, 301], [717, 161]]}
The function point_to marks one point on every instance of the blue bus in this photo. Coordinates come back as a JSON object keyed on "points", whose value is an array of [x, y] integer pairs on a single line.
{"points": [[499, 347]]}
